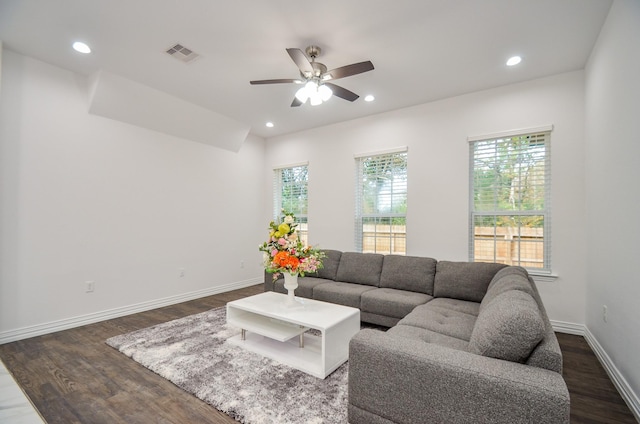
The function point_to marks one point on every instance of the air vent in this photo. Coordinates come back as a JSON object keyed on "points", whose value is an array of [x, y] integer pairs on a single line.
{"points": [[182, 53]]}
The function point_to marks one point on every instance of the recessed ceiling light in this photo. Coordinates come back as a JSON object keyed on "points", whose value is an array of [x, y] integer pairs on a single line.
{"points": [[369, 98], [514, 60], [81, 47], [269, 124]]}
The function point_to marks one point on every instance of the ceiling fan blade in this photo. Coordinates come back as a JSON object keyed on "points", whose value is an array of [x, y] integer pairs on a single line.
{"points": [[296, 102], [341, 92], [276, 81], [347, 71], [301, 60]]}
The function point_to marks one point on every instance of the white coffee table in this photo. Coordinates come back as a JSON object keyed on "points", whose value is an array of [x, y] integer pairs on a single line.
{"points": [[274, 329]]}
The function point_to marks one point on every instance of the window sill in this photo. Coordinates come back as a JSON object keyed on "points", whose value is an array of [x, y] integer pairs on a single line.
{"points": [[543, 277]]}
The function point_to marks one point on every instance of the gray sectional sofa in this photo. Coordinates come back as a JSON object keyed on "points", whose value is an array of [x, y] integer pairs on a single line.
{"points": [[467, 343]]}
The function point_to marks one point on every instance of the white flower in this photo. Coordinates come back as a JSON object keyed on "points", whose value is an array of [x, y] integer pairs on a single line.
{"points": [[288, 219]]}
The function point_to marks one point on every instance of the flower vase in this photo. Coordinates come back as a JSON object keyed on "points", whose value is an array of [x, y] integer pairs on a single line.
{"points": [[291, 284]]}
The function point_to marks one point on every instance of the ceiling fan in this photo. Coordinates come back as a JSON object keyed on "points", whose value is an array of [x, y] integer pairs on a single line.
{"points": [[315, 78]]}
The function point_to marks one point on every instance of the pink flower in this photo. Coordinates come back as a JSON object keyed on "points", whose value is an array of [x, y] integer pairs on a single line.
{"points": [[282, 242], [274, 252]]}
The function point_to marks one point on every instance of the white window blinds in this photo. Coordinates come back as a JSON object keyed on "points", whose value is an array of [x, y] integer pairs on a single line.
{"points": [[381, 203], [290, 189], [510, 200]]}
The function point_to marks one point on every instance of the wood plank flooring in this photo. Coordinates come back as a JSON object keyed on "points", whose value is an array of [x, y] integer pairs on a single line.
{"points": [[594, 398], [73, 377]]}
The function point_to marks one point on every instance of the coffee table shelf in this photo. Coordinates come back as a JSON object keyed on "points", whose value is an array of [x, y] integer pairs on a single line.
{"points": [[270, 327]]}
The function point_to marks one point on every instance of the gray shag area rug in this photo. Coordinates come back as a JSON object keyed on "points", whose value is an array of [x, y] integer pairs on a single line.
{"points": [[193, 354]]}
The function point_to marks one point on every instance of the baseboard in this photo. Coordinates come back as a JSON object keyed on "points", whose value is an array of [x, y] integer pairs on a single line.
{"points": [[67, 323], [568, 327], [617, 378]]}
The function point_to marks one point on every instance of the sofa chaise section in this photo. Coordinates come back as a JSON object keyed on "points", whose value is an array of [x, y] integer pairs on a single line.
{"points": [[486, 356], [405, 380]]}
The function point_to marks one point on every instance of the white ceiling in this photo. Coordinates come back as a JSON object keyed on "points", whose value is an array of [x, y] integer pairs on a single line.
{"points": [[422, 50]]}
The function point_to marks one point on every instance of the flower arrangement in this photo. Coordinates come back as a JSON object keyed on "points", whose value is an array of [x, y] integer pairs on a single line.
{"points": [[285, 252]]}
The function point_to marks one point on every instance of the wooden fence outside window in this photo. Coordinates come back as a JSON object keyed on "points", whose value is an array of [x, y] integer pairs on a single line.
{"points": [[525, 249]]}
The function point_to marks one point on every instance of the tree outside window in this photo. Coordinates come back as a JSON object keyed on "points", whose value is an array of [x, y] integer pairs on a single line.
{"points": [[510, 181], [291, 194], [381, 203]]}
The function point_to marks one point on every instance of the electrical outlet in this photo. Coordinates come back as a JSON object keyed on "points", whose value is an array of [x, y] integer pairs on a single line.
{"points": [[90, 286], [181, 272], [241, 264], [604, 313]]}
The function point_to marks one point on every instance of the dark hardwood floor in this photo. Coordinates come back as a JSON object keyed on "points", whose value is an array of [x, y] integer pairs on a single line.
{"points": [[73, 377], [594, 398]]}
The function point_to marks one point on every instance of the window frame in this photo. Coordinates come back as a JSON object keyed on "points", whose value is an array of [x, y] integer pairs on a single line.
{"points": [[361, 217], [545, 212], [301, 218]]}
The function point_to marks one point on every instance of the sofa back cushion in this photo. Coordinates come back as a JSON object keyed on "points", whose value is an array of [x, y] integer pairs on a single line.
{"points": [[409, 273], [509, 278], [508, 328], [360, 268], [464, 280], [329, 265]]}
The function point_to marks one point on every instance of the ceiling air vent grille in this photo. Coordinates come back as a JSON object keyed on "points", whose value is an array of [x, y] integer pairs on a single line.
{"points": [[182, 53]]}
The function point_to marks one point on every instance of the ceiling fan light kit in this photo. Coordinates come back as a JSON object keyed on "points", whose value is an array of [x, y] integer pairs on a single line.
{"points": [[314, 92], [316, 88]]}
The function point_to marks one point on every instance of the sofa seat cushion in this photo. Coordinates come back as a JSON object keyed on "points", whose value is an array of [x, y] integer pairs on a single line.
{"points": [[377, 319], [409, 273], [464, 306], [441, 320], [360, 268], [428, 336], [392, 302], [346, 294], [464, 280], [305, 286], [547, 353], [508, 328]]}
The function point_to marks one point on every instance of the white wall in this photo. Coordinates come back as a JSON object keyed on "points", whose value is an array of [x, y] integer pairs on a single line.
{"points": [[613, 175], [438, 162], [88, 198]]}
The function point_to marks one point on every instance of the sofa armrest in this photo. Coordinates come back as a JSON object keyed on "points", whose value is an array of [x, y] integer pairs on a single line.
{"points": [[408, 381], [268, 281]]}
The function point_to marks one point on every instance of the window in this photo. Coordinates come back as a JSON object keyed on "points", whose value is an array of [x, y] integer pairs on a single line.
{"points": [[290, 193], [381, 203], [510, 192]]}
